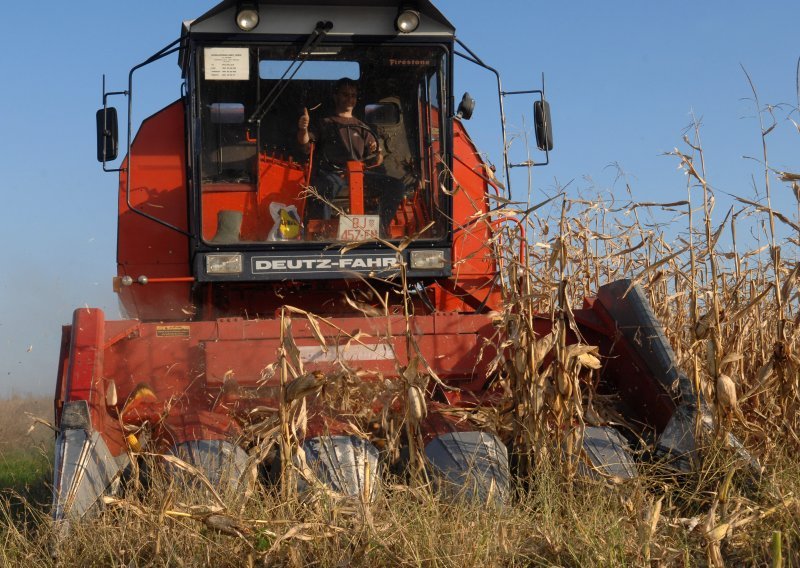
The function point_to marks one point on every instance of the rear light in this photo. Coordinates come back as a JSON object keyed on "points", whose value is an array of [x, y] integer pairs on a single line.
{"points": [[427, 259], [224, 264]]}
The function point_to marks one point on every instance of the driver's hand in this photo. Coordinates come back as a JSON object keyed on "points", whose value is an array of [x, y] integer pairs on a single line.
{"points": [[375, 150], [304, 121]]}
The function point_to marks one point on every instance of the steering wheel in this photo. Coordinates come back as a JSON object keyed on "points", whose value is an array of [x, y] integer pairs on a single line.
{"points": [[367, 131]]}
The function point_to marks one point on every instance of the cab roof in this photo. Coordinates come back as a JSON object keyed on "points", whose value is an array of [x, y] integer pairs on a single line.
{"points": [[373, 18]]}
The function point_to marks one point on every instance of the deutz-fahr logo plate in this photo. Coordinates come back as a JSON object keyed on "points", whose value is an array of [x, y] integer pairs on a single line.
{"points": [[353, 262]]}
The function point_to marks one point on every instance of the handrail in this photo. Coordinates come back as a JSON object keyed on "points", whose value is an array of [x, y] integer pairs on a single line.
{"points": [[167, 50]]}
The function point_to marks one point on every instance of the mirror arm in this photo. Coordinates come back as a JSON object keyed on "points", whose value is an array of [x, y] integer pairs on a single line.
{"points": [[477, 61], [167, 50], [105, 121], [540, 92]]}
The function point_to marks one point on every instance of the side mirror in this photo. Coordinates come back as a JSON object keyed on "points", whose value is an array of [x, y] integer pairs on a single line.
{"points": [[107, 137], [466, 107], [541, 119]]}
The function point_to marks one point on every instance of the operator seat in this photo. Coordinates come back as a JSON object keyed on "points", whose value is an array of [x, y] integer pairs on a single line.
{"points": [[391, 130]]}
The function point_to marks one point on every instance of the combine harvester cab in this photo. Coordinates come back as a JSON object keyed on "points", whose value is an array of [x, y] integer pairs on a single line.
{"points": [[259, 268]]}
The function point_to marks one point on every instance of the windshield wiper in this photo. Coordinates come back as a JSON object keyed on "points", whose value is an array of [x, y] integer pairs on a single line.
{"points": [[266, 104]]}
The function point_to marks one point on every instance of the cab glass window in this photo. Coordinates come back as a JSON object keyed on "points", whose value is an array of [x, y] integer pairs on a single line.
{"points": [[339, 145]]}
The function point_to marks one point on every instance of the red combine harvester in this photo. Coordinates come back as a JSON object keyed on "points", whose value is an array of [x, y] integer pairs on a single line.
{"points": [[304, 128]]}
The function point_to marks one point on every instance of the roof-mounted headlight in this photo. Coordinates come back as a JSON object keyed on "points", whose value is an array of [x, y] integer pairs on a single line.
{"points": [[407, 21], [247, 16]]}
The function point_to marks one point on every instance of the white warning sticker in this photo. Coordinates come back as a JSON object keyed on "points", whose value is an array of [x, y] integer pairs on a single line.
{"points": [[315, 354], [227, 63]]}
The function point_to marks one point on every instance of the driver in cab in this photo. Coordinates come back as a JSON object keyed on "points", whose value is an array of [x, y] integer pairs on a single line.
{"points": [[340, 138]]}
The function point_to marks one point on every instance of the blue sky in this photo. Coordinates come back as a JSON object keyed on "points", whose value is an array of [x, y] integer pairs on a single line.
{"points": [[624, 80]]}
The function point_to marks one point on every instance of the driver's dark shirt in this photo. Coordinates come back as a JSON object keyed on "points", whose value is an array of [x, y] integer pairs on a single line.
{"points": [[340, 139]]}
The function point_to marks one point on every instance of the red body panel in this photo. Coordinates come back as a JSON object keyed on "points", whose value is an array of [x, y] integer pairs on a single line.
{"points": [[158, 187], [146, 248], [84, 378], [191, 367], [280, 181], [652, 404], [474, 266], [206, 376]]}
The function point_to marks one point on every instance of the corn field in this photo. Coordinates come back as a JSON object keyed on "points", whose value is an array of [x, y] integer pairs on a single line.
{"points": [[731, 312]]}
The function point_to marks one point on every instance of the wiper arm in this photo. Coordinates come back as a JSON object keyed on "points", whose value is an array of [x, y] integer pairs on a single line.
{"points": [[266, 104]]}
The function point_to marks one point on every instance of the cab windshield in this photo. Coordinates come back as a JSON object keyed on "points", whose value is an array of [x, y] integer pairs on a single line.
{"points": [[341, 145]]}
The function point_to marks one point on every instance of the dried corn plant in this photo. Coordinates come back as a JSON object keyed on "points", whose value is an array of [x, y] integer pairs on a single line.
{"points": [[730, 309]]}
